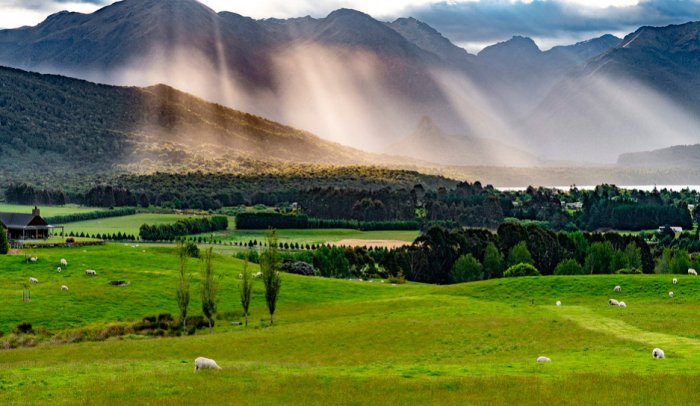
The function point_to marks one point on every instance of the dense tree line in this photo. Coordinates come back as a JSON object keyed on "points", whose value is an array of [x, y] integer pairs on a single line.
{"points": [[432, 257], [28, 195], [469, 205], [262, 221], [193, 225], [96, 196], [72, 218]]}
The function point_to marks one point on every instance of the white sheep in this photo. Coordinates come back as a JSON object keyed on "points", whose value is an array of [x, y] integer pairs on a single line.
{"points": [[613, 302], [205, 363], [618, 288], [543, 359], [91, 272], [33, 259], [64, 287], [558, 303], [622, 304], [658, 353], [240, 276], [257, 275], [693, 272], [58, 269], [64, 262], [33, 280], [675, 281], [670, 294]]}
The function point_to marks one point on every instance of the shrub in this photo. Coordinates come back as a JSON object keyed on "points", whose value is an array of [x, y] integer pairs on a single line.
{"points": [[628, 271], [466, 269], [519, 254], [24, 327], [397, 279], [70, 240], [299, 268], [521, 270], [569, 267]]}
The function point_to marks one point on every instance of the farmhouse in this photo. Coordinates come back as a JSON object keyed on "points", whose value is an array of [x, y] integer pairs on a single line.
{"points": [[22, 226]]}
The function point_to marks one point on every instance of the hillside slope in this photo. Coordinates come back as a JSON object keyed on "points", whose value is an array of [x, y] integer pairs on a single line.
{"points": [[643, 93], [679, 156], [51, 122], [430, 143]]}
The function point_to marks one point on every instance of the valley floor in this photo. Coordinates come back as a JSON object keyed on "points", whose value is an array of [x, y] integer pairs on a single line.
{"points": [[352, 342]]}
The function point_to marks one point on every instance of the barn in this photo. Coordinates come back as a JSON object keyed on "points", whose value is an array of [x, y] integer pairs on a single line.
{"points": [[23, 226]]}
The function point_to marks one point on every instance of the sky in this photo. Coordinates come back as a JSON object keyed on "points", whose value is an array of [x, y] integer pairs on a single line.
{"points": [[472, 24]]}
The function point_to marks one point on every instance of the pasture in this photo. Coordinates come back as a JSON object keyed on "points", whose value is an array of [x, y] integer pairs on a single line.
{"points": [[351, 342], [124, 224], [48, 211]]}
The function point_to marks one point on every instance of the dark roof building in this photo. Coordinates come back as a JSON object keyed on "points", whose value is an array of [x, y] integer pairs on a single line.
{"points": [[22, 226]]}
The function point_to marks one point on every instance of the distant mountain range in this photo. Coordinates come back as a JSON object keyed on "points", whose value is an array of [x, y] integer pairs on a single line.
{"points": [[679, 156], [347, 77], [642, 94], [362, 82]]}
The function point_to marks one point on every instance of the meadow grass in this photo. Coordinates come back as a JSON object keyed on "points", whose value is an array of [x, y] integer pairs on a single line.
{"points": [[351, 342], [48, 211], [124, 224]]}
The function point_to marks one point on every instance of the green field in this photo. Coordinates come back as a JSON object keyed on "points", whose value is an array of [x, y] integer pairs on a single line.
{"points": [[123, 224], [351, 342], [131, 224], [315, 236], [48, 211]]}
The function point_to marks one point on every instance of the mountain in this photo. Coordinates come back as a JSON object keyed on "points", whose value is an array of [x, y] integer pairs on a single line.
{"points": [[679, 156], [645, 92], [430, 40], [430, 143], [347, 77], [69, 127], [520, 74]]}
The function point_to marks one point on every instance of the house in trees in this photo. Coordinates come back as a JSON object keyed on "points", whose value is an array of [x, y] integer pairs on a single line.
{"points": [[23, 226]]}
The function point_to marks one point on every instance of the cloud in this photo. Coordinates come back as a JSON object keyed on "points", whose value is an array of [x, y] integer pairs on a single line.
{"points": [[472, 23], [550, 21]]}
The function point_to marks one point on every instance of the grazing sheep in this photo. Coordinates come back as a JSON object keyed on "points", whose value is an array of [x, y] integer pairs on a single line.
{"points": [[675, 281], [558, 303], [33, 259], [205, 363], [91, 272], [58, 269], [693, 272], [64, 262], [240, 276], [33, 280], [670, 294], [64, 287], [618, 288], [622, 304], [658, 353], [543, 359], [613, 302], [257, 275]]}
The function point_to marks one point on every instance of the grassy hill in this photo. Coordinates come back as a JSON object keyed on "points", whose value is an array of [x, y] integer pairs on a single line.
{"points": [[342, 342], [70, 127]]}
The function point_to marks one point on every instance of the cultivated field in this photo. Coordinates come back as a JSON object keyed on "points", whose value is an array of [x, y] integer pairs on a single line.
{"points": [[351, 342]]}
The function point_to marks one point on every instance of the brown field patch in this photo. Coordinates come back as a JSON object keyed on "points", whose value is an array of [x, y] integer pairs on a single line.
{"points": [[351, 242]]}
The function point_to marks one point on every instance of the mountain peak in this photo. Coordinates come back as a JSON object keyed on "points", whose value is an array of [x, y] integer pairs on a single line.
{"points": [[516, 48], [673, 38], [348, 13]]}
